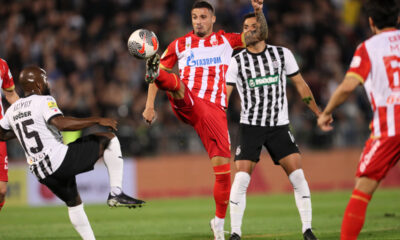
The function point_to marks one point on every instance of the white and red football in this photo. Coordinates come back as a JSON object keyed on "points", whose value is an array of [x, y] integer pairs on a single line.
{"points": [[143, 44]]}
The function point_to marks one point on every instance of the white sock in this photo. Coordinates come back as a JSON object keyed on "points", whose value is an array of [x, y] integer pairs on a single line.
{"points": [[80, 222], [115, 164], [237, 201], [219, 223], [302, 196]]}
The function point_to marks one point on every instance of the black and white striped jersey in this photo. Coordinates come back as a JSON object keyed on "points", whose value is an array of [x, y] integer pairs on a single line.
{"points": [[261, 83], [42, 142]]}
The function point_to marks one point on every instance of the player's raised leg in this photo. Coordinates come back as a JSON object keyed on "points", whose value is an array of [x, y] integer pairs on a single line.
{"points": [[237, 202], [292, 166], [110, 148]]}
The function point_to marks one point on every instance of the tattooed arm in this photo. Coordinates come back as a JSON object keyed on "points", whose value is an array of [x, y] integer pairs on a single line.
{"points": [[258, 10], [305, 93]]}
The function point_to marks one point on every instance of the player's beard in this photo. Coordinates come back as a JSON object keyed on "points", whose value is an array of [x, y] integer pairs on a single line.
{"points": [[251, 38], [200, 34]]}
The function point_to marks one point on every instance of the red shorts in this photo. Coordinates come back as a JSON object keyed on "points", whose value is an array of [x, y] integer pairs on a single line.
{"points": [[3, 162], [209, 121], [378, 157]]}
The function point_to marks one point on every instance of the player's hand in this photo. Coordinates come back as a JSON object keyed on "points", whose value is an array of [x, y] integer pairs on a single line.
{"points": [[324, 122], [149, 115], [108, 122], [257, 5]]}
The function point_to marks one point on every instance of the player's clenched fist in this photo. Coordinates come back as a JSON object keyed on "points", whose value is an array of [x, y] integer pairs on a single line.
{"points": [[149, 115], [257, 5]]}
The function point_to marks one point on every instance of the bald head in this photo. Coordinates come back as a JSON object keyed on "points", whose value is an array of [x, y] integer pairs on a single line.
{"points": [[33, 80]]}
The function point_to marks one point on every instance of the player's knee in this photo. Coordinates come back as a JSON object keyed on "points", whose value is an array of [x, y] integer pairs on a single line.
{"points": [[74, 202]]}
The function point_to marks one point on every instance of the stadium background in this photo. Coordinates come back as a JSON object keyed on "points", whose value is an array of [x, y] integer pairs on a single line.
{"points": [[82, 46]]}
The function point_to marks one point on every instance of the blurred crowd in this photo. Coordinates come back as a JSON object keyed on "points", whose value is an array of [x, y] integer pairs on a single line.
{"points": [[82, 46]]}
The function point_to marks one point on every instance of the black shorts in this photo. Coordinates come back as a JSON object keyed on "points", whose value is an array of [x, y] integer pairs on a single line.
{"points": [[278, 140], [81, 156]]}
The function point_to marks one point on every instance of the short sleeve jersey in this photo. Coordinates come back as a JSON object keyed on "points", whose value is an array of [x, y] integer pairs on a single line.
{"points": [[261, 83], [203, 62], [6, 80], [29, 119], [376, 63]]}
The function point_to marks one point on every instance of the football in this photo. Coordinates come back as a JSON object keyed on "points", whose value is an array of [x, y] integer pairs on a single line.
{"points": [[142, 44]]}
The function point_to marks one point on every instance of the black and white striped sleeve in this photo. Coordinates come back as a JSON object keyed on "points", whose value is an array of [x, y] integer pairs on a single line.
{"points": [[291, 67], [232, 74]]}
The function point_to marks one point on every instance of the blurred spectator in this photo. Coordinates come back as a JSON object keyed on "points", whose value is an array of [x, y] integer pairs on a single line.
{"points": [[82, 46]]}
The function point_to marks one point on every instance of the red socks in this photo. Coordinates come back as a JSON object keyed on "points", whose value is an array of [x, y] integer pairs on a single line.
{"points": [[222, 188], [168, 81], [354, 216], [2, 204]]}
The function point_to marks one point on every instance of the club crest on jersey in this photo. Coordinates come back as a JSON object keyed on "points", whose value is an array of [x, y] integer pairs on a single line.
{"points": [[261, 81], [192, 62]]}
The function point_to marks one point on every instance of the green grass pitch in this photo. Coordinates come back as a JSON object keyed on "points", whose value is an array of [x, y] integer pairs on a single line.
{"points": [[266, 217]]}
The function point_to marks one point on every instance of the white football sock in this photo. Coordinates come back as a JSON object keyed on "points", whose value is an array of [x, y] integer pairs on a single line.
{"points": [[237, 201], [115, 164], [80, 222], [302, 196], [219, 223]]}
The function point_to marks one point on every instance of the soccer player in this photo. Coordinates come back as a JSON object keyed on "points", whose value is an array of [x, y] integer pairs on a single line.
{"points": [[376, 65], [37, 121], [198, 94], [260, 73], [7, 84]]}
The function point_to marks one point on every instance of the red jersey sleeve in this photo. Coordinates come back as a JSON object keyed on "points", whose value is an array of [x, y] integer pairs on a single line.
{"points": [[360, 65], [169, 57], [235, 39], [8, 81]]}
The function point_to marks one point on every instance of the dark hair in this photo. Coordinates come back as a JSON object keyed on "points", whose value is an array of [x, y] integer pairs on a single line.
{"points": [[384, 13], [203, 4], [248, 15]]}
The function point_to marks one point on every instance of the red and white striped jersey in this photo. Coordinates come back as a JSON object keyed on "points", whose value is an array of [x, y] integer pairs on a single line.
{"points": [[6, 81], [376, 63], [203, 62]]}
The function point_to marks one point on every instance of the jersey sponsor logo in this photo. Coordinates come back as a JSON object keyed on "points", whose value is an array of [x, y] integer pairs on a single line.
{"points": [[192, 62], [261, 81], [355, 63]]}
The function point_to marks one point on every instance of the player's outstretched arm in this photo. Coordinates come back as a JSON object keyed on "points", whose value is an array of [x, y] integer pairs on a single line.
{"points": [[305, 92], [338, 97], [149, 114], [63, 123], [6, 134]]}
